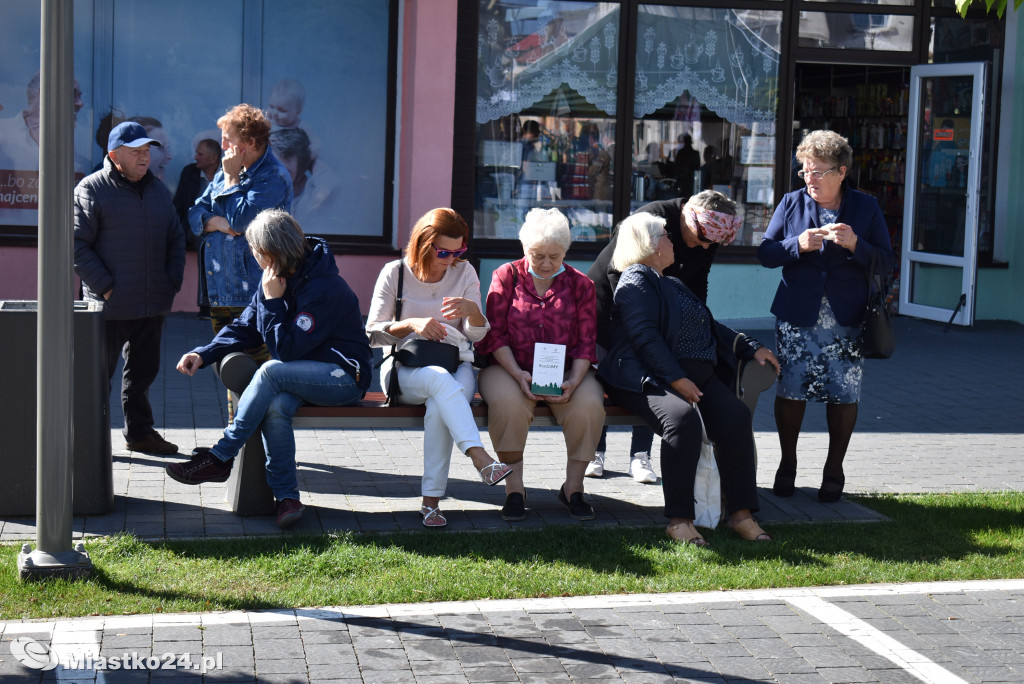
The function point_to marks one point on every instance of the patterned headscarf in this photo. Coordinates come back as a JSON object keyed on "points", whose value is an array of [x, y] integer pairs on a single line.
{"points": [[715, 225]]}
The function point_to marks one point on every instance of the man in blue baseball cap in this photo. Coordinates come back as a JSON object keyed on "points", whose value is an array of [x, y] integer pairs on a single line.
{"points": [[130, 254]]}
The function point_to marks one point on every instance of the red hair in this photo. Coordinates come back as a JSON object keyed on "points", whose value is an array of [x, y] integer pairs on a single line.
{"points": [[247, 123], [419, 253]]}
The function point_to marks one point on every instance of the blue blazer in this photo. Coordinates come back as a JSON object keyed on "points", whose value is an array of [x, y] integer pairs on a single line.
{"points": [[832, 270]]}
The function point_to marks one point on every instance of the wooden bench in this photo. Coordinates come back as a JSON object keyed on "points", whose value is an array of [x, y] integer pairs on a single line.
{"points": [[249, 494]]}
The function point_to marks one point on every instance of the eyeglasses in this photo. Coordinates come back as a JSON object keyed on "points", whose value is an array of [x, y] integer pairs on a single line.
{"points": [[816, 175], [445, 253]]}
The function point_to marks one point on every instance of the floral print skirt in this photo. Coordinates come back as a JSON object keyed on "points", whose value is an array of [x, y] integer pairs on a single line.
{"points": [[822, 362]]}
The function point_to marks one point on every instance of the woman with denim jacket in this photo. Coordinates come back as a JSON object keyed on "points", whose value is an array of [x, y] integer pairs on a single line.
{"points": [[250, 180], [662, 364]]}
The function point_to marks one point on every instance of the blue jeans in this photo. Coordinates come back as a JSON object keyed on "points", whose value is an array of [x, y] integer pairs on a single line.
{"points": [[270, 401]]}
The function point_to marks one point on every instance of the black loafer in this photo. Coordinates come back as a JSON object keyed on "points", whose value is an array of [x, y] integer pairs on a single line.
{"points": [[514, 508], [831, 489], [785, 482], [578, 507]]}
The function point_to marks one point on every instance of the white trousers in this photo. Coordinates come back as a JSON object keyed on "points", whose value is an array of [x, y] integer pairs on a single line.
{"points": [[448, 418]]}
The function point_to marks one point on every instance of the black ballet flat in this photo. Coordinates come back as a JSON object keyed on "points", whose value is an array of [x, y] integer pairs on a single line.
{"points": [[784, 482], [831, 489]]}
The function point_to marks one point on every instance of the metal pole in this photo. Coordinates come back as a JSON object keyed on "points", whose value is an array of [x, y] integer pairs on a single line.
{"points": [[54, 555]]}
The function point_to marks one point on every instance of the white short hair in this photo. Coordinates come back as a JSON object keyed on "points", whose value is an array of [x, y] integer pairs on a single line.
{"points": [[637, 239], [542, 226]]}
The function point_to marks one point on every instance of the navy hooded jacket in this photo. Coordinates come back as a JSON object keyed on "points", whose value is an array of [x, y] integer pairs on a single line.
{"points": [[317, 319]]}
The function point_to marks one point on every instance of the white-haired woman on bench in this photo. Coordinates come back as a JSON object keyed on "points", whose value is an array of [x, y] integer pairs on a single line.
{"points": [[662, 364]]}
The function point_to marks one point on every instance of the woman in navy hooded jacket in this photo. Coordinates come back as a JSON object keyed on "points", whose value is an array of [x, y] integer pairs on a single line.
{"points": [[309, 318], [824, 237]]}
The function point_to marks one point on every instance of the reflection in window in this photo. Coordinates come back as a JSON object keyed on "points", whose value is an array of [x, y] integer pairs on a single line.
{"points": [[705, 108], [546, 89], [976, 40], [876, 2], [857, 31], [315, 56]]}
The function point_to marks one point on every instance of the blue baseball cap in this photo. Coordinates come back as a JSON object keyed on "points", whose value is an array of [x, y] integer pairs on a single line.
{"points": [[128, 134]]}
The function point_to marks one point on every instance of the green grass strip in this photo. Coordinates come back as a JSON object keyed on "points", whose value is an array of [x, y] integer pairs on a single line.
{"points": [[930, 537]]}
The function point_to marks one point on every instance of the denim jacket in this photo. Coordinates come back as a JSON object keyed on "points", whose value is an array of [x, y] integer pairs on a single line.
{"points": [[232, 274]]}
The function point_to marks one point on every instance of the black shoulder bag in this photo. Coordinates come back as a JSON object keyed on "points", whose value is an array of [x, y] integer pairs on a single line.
{"points": [[879, 336]]}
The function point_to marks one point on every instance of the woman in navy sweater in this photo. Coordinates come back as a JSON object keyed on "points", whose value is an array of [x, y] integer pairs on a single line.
{"points": [[309, 319], [824, 237]]}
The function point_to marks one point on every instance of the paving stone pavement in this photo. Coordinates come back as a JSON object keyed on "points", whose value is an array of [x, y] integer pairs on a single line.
{"points": [[941, 633], [945, 414]]}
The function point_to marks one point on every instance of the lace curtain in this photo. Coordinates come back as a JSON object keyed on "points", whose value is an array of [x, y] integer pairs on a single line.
{"points": [[728, 60]]}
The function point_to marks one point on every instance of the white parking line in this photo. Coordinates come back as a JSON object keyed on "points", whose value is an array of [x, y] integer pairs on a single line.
{"points": [[874, 639]]}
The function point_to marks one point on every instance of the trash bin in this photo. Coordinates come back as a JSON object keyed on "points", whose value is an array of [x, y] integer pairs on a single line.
{"points": [[93, 488]]}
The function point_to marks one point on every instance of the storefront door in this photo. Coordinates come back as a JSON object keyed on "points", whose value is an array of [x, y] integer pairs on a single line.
{"points": [[939, 263]]}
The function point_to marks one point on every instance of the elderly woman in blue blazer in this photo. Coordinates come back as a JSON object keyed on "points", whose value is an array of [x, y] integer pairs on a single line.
{"points": [[825, 237]]}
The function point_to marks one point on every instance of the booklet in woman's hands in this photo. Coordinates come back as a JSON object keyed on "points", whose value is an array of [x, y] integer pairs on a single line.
{"points": [[548, 369]]}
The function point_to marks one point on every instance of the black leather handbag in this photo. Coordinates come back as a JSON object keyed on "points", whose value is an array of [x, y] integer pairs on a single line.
{"points": [[419, 353], [879, 334]]}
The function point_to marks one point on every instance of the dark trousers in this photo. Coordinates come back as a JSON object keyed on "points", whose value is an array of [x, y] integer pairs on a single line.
{"points": [[728, 424], [138, 340]]}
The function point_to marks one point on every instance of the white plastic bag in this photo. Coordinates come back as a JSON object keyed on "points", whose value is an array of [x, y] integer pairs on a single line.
{"points": [[707, 487]]}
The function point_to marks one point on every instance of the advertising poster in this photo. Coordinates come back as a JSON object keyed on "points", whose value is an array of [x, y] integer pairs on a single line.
{"points": [[318, 69], [19, 106]]}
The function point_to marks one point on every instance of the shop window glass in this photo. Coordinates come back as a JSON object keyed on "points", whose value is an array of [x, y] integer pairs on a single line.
{"points": [[706, 107], [977, 40], [849, 31], [546, 90], [179, 66], [318, 59], [872, 2], [159, 48], [19, 117]]}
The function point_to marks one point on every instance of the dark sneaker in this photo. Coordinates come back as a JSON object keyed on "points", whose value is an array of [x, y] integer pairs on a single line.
{"points": [[153, 443], [579, 509], [514, 508], [202, 467], [288, 512]]}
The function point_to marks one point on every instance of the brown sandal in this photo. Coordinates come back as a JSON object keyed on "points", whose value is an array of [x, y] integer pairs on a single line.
{"points": [[687, 533], [750, 530]]}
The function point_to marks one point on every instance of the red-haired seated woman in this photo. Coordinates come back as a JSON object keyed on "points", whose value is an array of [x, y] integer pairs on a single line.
{"points": [[440, 301]]}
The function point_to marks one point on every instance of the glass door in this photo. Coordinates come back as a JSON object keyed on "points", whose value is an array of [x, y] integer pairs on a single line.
{"points": [[939, 264]]}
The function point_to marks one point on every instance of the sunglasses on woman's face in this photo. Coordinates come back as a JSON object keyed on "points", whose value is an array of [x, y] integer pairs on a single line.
{"points": [[700, 234], [445, 253]]}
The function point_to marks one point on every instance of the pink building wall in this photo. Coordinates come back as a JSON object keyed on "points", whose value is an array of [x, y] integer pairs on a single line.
{"points": [[423, 164]]}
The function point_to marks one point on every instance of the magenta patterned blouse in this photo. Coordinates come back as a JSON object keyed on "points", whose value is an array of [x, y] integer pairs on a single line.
{"points": [[566, 314]]}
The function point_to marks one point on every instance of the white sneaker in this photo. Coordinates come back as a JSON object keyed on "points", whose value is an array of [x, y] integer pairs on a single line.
{"points": [[596, 467], [641, 470]]}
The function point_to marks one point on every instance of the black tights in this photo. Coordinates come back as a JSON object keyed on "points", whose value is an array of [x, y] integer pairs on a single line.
{"points": [[841, 419]]}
